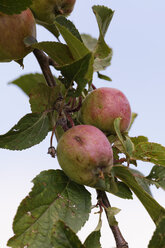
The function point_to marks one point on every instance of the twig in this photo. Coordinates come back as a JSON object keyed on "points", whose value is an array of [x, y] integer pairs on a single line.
{"points": [[93, 87], [44, 62], [78, 106], [120, 241]]}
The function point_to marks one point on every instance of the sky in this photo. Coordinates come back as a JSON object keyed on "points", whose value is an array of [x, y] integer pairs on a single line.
{"points": [[137, 37]]}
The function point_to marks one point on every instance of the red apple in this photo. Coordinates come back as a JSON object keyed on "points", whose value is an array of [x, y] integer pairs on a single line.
{"points": [[84, 153], [13, 29], [102, 106]]}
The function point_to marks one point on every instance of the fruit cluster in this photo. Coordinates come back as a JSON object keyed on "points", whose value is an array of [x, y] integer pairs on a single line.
{"points": [[84, 152]]}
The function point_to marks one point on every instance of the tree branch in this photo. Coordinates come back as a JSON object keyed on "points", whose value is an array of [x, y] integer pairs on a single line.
{"points": [[103, 200], [44, 62]]}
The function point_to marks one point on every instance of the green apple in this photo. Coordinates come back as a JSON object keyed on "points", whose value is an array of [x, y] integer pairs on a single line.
{"points": [[102, 106], [47, 10], [85, 154], [13, 30]]}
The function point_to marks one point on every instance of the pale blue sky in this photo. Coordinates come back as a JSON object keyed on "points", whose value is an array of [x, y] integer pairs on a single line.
{"points": [[137, 36]]}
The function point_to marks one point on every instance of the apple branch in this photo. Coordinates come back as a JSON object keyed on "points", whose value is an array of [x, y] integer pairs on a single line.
{"points": [[44, 62], [103, 201]]}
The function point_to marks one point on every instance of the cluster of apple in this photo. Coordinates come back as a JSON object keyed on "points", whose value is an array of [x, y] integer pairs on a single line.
{"points": [[84, 152], [15, 28]]}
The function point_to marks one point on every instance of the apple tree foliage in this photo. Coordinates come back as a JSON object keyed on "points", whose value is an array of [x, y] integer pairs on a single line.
{"points": [[57, 208]]}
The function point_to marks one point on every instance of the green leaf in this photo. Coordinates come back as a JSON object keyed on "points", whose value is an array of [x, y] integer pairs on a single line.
{"points": [[89, 41], [53, 197], [29, 81], [157, 176], [103, 53], [115, 187], [153, 208], [93, 240], [14, 7], [51, 27], [69, 26], [142, 181], [64, 237], [102, 63], [134, 116], [111, 212], [76, 46], [104, 77], [139, 139], [127, 145], [80, 71], [104, 16], [29, 131], [158, 238], [150, 152], [59, 52], [43, 97], [117, 130]]}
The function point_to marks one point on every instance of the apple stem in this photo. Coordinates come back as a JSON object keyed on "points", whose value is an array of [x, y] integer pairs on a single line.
{"points": [[103, 201], [93, 87], [44, 62], [77, 108], [70, 119], [120, 161]]}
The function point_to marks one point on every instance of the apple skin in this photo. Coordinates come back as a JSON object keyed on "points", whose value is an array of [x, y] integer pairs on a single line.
{"points": [[102, 106], [47, 10], [84, 152], [13, 29]]}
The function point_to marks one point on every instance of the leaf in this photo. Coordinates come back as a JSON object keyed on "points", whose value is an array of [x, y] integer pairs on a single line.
{"points": [[129, 146], [103, 16], [157, 176], [14, 7], [80, 71], [64, 237], [150, 152], [50, 27], [43, 97], [152, 206], [104, 77], [139, 139], [93, 240], [59, 52], [76, 46], [141, 179], [111, 212], [103, 53], [134, 116], [89, 41], [102, 63], [29, 81], [158, 238], [29, 131], [114, 186], [117, 130], [69, 26], [53, 197], [126, 143]]}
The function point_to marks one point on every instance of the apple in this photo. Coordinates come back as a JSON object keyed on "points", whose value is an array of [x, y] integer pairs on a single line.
{"points": [[102, 106], [13, 29], [47, 10], [85, 154]]}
